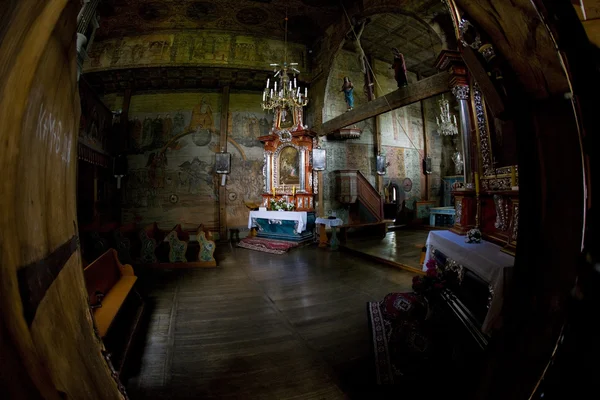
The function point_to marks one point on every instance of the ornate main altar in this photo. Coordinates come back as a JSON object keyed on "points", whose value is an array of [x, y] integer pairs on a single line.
{"points": [[288, 174]]}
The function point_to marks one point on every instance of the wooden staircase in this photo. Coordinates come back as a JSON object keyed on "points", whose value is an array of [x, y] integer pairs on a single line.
{"points": [[366, 204]]}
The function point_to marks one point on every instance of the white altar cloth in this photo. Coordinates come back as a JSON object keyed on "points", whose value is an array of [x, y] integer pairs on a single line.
{"points": [[298, 216], [485, 259], [329, 222]]}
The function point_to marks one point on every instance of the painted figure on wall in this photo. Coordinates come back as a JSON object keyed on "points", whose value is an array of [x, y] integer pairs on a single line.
{"points": [[157, 127], [399, 67], [265, 126], [288, 166], [156, 169], [348, 89], [147, 138], [178, 124], [253, 128], [167, 128], [202, 117], [136, 132]]}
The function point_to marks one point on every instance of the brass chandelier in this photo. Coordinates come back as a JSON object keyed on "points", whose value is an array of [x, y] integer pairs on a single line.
{"points": [[285, 91]]}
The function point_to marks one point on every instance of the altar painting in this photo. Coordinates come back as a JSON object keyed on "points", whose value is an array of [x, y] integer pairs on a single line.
{"points": [[289, 162]]}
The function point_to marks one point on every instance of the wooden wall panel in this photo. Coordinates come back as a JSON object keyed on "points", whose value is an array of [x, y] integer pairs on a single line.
{"points": [[58, 356]]}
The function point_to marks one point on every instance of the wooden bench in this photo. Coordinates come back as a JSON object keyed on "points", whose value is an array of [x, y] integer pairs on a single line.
{"points": [[116, 304]]}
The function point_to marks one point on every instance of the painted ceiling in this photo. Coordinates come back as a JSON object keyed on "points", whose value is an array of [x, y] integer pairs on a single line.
{"points": [[307, 18], [411, 35], [415, 40]]}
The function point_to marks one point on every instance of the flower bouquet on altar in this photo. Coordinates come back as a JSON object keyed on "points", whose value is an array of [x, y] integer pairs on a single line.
{"points": [[432, 283], [473, 236], [281, 205]]}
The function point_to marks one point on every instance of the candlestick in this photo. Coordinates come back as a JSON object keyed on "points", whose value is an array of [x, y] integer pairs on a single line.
{"points": [[294, 190], [476, 183], [275, 85], [274, 193], [268, 80], [305, 92]]}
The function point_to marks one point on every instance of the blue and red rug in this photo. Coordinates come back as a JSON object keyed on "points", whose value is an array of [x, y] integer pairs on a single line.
{"points": [[267, 245], [401, 344]]}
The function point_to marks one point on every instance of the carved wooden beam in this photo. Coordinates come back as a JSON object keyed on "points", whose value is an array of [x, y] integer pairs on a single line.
{"points": [[492, 97], [223, 147], [428, 87]]}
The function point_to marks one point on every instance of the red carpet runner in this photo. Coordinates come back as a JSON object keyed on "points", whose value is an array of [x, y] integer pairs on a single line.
{"points": [[267, 245]]}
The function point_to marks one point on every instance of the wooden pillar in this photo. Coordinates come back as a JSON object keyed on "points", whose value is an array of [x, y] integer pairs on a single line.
{"points": [[223, 147], [376, 130], [425, 144], [320, 207], [124, 139]]}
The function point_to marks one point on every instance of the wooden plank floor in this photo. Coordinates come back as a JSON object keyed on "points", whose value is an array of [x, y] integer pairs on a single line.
{"points": [[263, 326], [402, 246]]}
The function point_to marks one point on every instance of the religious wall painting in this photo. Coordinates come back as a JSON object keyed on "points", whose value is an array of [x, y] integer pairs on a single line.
{"points": [[395, 158], [289, 166], [248, 126], [152, 131], [247, 119], [170, 183], [200, 47], [356, 158]]}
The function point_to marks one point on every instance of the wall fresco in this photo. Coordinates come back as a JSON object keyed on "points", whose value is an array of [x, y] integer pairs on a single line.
{"points": [[247, 122], [198, 47], [174, 137], [170, 180]]}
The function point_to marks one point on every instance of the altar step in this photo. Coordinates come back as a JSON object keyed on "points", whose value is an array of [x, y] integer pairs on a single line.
{"points": [[401, 249], [365, 230]]}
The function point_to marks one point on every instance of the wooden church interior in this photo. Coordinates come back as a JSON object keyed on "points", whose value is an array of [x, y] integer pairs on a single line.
{"points": [[176, 225]]}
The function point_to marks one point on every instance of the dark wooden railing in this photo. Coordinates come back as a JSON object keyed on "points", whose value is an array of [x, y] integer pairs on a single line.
{"points": [[369, 196], [353, 186]]}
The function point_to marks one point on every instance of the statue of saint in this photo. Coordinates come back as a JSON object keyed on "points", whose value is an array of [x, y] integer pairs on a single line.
{"points": [[399, 68], [348, 89]]}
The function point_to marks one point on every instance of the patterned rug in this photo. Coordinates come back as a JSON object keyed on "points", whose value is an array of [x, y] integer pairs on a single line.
{"points": [[400, 339], [267, 245]]}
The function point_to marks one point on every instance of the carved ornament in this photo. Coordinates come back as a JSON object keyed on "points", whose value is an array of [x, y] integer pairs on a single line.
{"points": [[461, 92], [501, 212], [458, 212], [463, 27], [482, 132]]}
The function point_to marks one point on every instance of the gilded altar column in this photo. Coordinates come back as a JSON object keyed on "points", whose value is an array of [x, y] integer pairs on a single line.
{"points": [[461, 92], [452, 62]]}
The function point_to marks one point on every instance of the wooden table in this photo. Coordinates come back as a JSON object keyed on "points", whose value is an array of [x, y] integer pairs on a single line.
{"points": [[332, 223]]}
